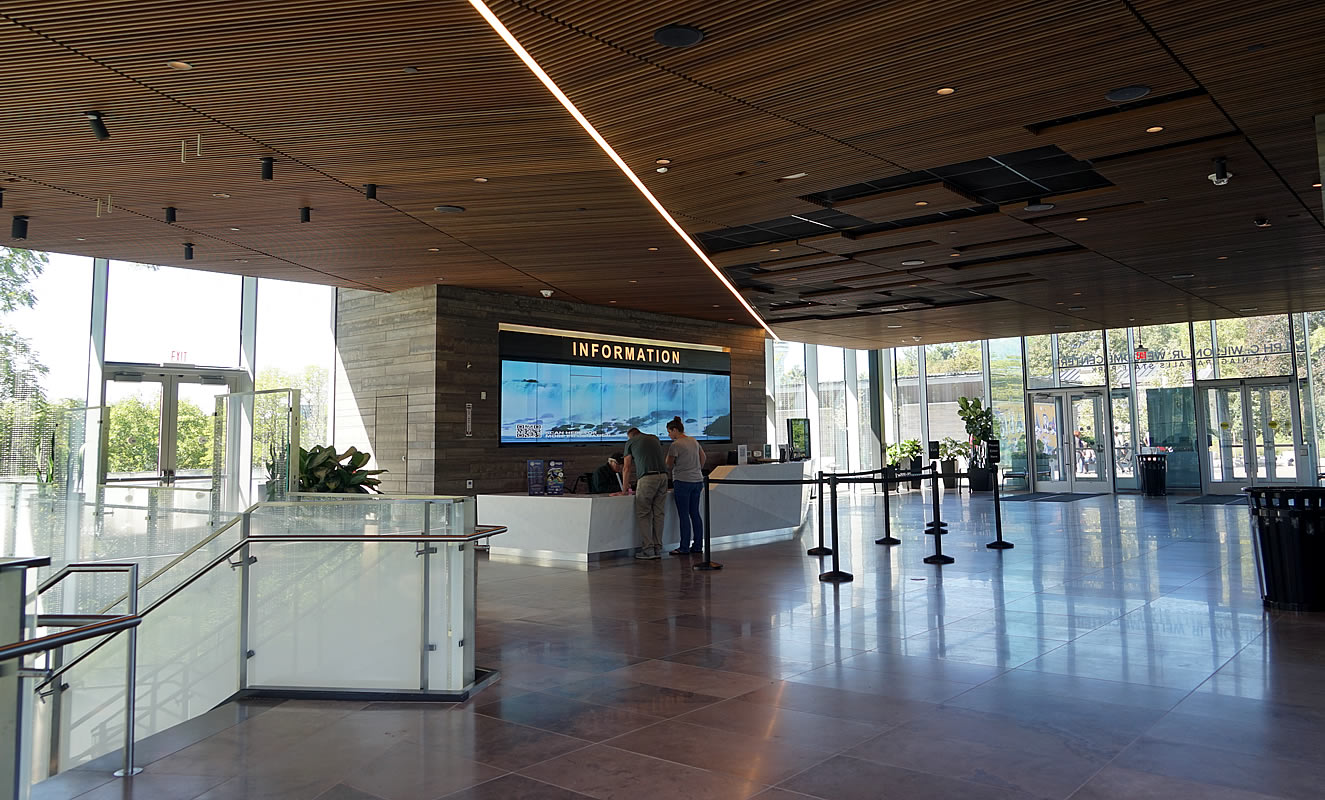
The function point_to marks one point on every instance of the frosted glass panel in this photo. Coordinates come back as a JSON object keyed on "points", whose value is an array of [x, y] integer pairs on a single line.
{"points": [[335, 615]]}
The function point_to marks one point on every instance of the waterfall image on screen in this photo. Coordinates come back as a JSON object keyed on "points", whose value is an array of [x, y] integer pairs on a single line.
{"points": [[543, 403]]}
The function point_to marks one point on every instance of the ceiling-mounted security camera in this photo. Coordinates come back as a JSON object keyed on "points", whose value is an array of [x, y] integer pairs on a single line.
{"points": [[545, 292], [1221, 174]]}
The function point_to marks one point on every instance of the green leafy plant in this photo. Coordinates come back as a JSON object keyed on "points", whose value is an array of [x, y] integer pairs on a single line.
{"points": [[979, 426], [910, 448], [322, 469], [894, 454], [951, 449]]}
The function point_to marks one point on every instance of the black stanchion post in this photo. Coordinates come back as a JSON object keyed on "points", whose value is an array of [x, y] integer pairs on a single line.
{"points": [[708, 563], [835, 575], [936, 527], [820, 550], [998, 543], [887, 537]]}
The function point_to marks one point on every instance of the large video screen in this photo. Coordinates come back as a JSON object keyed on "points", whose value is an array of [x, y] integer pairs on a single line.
{"points": [[544, 403]]}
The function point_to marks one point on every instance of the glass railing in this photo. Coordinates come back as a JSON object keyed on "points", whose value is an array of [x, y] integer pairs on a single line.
{"points": [[327, 593]]}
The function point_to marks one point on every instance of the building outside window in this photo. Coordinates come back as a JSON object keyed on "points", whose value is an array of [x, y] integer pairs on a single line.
{"points": [[952, 370]]}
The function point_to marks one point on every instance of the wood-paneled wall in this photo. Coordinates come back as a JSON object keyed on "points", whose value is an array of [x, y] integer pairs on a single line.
{"points": [[450, 359]]}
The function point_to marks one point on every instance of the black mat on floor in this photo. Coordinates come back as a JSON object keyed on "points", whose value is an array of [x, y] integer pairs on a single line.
{"points": [[1019, 498], [1214, 500], [1068, 498]]}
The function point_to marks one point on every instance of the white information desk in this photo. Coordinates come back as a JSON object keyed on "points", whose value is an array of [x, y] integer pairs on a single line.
{"points": [[586, 527]]}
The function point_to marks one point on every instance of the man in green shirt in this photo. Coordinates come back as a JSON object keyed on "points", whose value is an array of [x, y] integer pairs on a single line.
{"points": [[645, 462]]}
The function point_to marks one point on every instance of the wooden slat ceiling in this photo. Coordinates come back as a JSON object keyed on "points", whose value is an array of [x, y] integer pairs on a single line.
{"points": [[421, 98]]}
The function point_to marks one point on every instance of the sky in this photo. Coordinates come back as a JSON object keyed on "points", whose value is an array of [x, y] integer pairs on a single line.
{"points": [[166, 315]]}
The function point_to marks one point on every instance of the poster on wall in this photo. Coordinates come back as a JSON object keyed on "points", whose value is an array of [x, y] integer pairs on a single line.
{"points": [[537, 477], [556, 477]]}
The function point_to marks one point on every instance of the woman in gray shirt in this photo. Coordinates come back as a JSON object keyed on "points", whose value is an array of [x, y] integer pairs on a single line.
{"points": [[686, 460]]}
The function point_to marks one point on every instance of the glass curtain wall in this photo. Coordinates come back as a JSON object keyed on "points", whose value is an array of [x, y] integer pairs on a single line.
{"points": [[832, 448], [1007, 390], [789, 387], [952, 370], [906, 395], [1153, 375], [867, 441]]}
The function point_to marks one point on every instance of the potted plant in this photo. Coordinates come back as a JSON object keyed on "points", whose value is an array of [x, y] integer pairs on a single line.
{"points": [[911, 452], [979, 421], [949, 451], [894, 457], [323, 470]]}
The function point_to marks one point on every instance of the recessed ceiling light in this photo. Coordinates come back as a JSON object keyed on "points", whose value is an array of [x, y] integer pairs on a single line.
{"points": [[731, 319], [678, 36], [653, 249], [953, 255], [234, 229], [480, 180], [81, 239], [1038, 205], [715, 305], [222, 195], [661, 169], [1076, 308], [1076, 294], [633, 281], [663, 161], [922, 202], [1082, 219], [894, 326], [1154, 129], [434, 249], [1250, 308], [775, 249], [793, 176], [1059, 303], [611, 301], [913, 262], [1182, 275], [1222, 258], [1315, 186], [1127, 93], [448, 209], [182, 66], [241, 260], [946, 90], [409, 70]]}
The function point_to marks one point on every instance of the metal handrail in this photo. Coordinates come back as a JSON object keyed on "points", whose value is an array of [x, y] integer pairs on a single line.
{"points": [[51, 641]]}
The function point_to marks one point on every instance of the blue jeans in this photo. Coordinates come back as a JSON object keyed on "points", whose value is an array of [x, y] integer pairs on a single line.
{"points": [[687, 494]]}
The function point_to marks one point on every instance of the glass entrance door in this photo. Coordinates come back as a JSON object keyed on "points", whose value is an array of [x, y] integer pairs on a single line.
{"points": [[159, 429], [1071, 442], [1124, 440], [1251, 434]]}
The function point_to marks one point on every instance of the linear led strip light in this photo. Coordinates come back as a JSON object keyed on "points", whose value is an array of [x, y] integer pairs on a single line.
{"points": [[565, 101]]}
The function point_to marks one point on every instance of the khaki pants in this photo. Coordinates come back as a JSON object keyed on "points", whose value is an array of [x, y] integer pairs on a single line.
{"points": [[650, 506]]}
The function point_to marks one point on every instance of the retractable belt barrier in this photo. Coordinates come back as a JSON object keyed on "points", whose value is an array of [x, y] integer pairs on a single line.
{"points": [[936, 527]]}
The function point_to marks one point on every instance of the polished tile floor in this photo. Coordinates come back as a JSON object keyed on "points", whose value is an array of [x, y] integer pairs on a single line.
{"points": [[1119, 651]]}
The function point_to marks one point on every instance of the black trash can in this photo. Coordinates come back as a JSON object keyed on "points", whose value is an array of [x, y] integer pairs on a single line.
{"points": [[1154, 474], [1288, 529]]}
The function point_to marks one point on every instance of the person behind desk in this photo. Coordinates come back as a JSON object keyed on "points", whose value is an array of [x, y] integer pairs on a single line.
{"points": [[606, 479], [686, 459], [644, 458]]}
